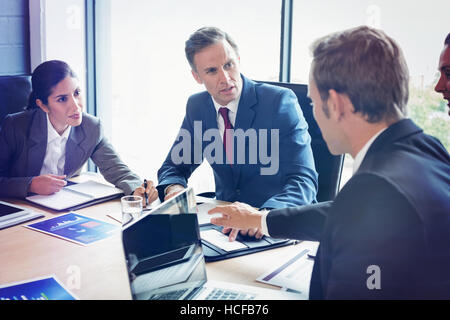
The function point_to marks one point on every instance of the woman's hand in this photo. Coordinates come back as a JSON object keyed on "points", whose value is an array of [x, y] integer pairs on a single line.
{"points": [[47, 184]]}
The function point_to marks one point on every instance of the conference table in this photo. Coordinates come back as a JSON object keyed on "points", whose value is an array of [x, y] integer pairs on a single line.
{"points": [[98, 270]]}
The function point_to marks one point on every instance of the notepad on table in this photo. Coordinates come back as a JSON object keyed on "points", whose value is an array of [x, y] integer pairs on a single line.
{"points": [[77, 195]]}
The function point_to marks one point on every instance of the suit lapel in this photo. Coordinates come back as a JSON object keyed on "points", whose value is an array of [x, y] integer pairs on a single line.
{"points": [[38, 143], [244, 118], [245, 113], [210, 115], [75, 150]]}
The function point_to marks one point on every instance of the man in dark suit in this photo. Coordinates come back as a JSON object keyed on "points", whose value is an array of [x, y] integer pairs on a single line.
{"points": [[387, 233], [253, 135]]}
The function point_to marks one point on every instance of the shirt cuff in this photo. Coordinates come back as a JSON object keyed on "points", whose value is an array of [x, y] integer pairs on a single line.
{"points": [[264, 228], [165, 190]]}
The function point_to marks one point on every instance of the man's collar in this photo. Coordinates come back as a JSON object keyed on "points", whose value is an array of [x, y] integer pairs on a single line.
{"points": [[394, 132], [362, 153], [386, 137], [232, 106]]}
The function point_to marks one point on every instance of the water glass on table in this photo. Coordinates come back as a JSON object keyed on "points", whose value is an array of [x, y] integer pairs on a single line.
{"points": [[131, 208]]}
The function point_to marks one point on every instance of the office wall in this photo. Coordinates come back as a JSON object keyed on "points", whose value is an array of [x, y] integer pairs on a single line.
{"points": [[14, 37]]}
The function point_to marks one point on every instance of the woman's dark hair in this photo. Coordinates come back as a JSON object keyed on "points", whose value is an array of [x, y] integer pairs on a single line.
{"points": [[47, 75]]}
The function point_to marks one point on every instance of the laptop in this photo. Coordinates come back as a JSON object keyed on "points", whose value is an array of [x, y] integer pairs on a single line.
{"points": [[216, 245], [165, 259]]}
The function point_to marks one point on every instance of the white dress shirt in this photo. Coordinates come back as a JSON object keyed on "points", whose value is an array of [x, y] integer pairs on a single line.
{"points": [[362, 153], [356, 164], [55, 154], [232, 111]]}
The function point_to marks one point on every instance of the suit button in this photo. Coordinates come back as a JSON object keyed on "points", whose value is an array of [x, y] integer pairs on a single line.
{"points": [[238, 191]]}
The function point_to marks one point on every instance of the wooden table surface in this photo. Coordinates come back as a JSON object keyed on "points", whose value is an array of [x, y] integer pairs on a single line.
{"points": [[98, 270]]}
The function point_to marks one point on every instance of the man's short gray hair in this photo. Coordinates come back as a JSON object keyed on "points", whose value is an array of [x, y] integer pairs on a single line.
{"points": [[204, 37]]}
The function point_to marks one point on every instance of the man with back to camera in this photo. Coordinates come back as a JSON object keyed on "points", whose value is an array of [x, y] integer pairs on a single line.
{"points": [[387, 233], [231, 105], [443, 85]]}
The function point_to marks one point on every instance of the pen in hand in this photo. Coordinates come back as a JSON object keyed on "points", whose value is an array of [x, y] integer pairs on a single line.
{"points": [[145, 192]]}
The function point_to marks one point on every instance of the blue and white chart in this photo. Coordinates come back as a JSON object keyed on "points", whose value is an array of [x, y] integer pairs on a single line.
{"points": [[76, 228], [48, 288]]}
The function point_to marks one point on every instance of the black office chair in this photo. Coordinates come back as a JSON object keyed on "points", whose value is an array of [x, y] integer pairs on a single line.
{"points": [[328, 166], [14, 93]]}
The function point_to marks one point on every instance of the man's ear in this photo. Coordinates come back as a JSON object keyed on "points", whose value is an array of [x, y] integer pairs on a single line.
{"points": [[339, 105], [196, 77], [41, 105]]}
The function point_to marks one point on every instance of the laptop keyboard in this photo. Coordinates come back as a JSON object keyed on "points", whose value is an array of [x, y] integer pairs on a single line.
{"points": [[172, 295], [222, 294], [215, 294]]}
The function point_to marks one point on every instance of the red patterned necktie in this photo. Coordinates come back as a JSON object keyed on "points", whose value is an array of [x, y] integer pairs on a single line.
{"points": [[227, 135]]}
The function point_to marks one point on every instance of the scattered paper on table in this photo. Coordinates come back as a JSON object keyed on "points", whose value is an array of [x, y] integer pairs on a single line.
{"points": [[46, 288], [202, 214], [293, 272], [76, 228]]}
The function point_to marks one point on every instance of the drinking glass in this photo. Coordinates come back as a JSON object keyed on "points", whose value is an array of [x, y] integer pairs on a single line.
{"points": [[131, 208]]}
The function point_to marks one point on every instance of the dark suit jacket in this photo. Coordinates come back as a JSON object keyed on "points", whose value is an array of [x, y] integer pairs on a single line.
{"points": [[261, 106], [394, 213], [23, 142]]}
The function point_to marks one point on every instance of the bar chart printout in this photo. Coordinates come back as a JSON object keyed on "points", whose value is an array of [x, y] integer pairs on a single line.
{"points": [[48, 288]]}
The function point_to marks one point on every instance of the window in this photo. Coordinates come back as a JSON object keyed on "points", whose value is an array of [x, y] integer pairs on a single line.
{"points": [[418, 28], [144, 79], [57, 31]]}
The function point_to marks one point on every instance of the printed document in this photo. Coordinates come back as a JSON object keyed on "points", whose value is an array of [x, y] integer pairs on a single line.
{"points": [[76, 228], [202, 214], [221, 241], [46, 288], [293, 272]]}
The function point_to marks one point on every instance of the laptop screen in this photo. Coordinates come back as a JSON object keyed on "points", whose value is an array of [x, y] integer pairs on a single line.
{"points": [[163, 251]]}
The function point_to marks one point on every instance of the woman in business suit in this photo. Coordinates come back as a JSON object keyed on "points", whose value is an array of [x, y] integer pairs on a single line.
{"points": [[53, 139]]}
